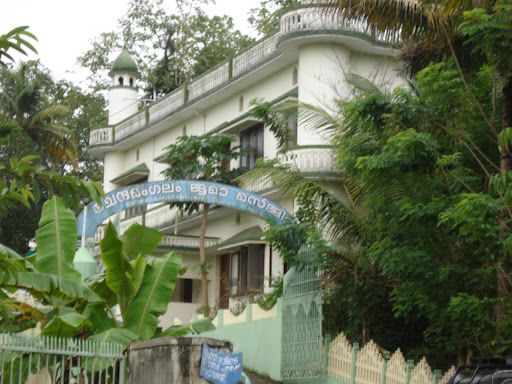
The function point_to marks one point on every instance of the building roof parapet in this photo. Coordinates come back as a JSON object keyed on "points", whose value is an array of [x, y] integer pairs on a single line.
{"points": [[306, 19]]}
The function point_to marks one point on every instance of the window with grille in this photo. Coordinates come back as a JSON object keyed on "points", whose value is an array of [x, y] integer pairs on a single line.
{"points": [[251, 142]]}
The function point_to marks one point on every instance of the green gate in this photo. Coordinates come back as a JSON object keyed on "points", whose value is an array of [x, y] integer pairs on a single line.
{"points": [[50, 360], [302, 324]]}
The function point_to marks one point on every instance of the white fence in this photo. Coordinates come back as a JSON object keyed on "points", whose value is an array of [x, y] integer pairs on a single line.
{"points": [[348, 364]]}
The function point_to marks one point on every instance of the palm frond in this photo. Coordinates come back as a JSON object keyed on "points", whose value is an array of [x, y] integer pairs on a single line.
{"points": [[361, 84], [51, 113], [331, 214], [314, 118], [16, 39]]}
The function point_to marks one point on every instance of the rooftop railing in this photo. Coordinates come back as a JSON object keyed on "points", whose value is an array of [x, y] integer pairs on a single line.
{"points": [[256, 55], [167, 105], [208, 81], [312, 18], [317, 18]]}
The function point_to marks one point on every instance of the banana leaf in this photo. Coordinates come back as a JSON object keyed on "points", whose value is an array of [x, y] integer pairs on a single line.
{"points": [[53, 285], [66, 325], [119, 273], [194, 328], [98, 318], [153, 296], [140, 240], [115, 335], [56, 240]]}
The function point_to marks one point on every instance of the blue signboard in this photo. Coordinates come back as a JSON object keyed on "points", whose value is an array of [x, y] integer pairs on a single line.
{"points": [[180, 191], [220, 368]]}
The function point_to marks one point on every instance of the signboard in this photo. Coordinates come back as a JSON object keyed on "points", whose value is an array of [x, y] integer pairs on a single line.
{"points": [[220, 368], [180, 191]]}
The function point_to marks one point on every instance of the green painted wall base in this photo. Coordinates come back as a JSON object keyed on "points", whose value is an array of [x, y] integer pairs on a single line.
{"points": [[258, 340]]}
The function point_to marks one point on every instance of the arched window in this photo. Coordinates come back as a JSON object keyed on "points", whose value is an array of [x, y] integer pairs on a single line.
{"points": [[121, 80], [131, 81]]}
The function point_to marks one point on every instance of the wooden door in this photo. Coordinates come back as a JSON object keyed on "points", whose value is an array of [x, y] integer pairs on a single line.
{"points": [[225, 269]]}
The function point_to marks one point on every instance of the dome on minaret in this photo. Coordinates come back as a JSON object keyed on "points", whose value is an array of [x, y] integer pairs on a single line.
{"points": [[124, 63]]}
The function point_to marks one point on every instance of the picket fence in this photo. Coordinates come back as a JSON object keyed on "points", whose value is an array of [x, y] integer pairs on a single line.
{"points": [[348, 364]]}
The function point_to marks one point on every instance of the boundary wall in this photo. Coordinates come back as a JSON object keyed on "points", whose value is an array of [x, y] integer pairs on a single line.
{"points": [[255, 332]]}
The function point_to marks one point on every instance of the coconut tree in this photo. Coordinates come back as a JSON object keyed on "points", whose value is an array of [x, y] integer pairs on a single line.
{"points": [[23, 101]]}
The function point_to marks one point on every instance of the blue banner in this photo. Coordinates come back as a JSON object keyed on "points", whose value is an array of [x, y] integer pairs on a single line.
{"points": [[178, 191], [220, 368]]}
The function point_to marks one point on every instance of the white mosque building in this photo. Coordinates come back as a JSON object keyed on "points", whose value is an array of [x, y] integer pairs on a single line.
{"points": [[306, 61]]}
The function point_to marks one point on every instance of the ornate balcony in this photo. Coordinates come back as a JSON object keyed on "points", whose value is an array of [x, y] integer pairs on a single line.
{"points": [[186, 242]]}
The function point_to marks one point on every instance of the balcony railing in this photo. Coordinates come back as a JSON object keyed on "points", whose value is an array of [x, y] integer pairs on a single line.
{"points": [[167, 105], [311, 160], [315, 18], [186, 241], [255, 55], [130, 126], [301, 19], [101, 136], [208, 81]]}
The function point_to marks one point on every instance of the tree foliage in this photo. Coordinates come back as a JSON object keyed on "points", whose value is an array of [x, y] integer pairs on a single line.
{"points": [[266, 17], [170, 48], [17, 39], [205, 157], [411, 239], [44, 130]]}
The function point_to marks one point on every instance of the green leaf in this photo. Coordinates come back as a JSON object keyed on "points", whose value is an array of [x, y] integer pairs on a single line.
{"points": [[56, 240], [139, 240], [139, 266], [195, 328], [115, 335], [119, 274], [153, 296], [53, 285], [65, 325], [99, 319]]}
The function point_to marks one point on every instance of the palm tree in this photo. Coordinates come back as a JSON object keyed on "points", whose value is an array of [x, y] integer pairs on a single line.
{"points": [[17, 40], [23, 101]]}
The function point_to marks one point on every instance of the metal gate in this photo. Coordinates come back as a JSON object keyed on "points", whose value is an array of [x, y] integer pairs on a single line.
{"points": [[302, 325], [50, 360]]}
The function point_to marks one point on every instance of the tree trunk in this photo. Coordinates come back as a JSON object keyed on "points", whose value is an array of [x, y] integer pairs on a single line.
{"points": [[202, 259], [503, 288]]}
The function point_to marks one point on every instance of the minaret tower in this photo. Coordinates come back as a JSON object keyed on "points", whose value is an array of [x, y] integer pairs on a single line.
{"points": [[122, 97]]}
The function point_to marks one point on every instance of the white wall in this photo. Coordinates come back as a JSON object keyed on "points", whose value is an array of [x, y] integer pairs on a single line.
{"points": [[122, 100]]}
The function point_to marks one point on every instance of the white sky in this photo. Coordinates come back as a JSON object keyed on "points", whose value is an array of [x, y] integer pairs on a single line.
{"points": [[65, 28]]}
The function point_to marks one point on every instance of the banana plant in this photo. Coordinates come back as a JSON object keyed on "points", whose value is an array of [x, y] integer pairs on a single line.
{"points": [[121, 305]]}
